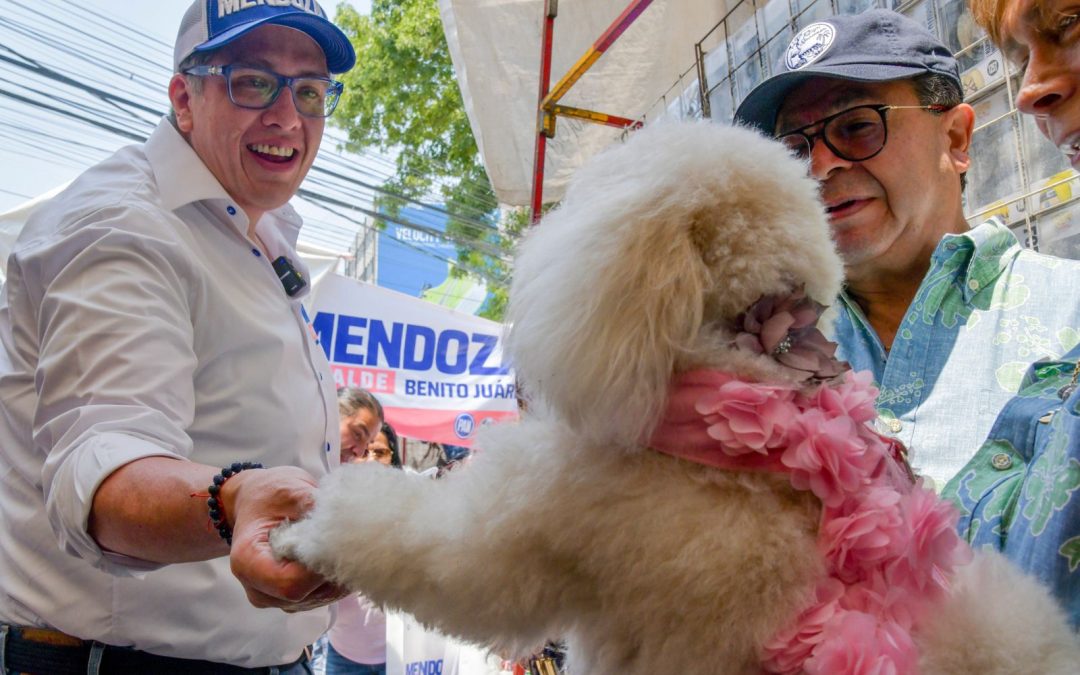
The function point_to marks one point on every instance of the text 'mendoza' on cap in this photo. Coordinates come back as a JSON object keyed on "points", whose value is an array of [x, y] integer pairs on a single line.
{"points": [[209, 24]]}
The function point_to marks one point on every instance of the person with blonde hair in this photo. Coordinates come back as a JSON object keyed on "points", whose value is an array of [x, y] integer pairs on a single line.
{"points": [[1020, 493]]}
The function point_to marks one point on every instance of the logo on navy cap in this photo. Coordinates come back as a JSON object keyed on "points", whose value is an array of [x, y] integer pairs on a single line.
{"points": [[227, 7], [809, 45]]}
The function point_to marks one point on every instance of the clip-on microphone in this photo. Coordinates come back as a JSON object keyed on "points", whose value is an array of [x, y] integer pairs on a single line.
{"points": [[290, 277]]}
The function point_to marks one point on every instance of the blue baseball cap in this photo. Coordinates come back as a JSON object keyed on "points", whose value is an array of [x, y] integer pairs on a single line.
{"points": [[209, 24], [876, 46]]}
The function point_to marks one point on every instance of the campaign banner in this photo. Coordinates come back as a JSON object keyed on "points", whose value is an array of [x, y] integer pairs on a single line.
{"points": [[439, 374], [412, 649]]}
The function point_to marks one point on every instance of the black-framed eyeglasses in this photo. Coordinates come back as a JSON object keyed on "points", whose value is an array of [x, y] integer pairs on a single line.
{"points": [[257, 88], [855, 134]]}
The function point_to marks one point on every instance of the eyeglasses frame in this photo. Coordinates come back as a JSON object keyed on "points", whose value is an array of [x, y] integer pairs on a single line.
{"points": [[283, 82], [879, 108]]}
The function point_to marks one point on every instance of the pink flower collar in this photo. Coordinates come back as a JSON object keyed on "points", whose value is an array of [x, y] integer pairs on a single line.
{"points": [[890, 544]]}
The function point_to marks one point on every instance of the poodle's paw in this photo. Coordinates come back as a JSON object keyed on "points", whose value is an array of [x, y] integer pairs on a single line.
{"points": [[292, 540], [341, 523]]}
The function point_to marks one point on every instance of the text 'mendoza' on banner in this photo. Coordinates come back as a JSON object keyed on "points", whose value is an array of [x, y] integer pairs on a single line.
{"points": [[439, 374]]}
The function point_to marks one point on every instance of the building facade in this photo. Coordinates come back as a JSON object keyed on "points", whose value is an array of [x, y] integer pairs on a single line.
{"points": [[1015, 172]]}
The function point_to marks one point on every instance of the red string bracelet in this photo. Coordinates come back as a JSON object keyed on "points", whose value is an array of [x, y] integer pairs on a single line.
{"points": [[215, 504]]}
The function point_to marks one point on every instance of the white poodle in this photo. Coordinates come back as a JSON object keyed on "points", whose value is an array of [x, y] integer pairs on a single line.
{"points": [[672, 253]]}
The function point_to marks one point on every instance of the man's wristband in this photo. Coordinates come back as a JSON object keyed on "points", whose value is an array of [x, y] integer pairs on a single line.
{"points": [[217, 505]]}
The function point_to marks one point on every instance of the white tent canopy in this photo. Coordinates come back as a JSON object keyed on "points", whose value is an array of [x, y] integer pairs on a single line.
{"points": [[11, 223], [495, 47]]}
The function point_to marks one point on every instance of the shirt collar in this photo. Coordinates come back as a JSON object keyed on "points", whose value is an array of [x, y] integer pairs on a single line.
{"points": [[182, 179], [984, 252]]}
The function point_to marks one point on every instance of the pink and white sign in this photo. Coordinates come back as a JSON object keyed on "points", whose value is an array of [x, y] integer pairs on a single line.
{"points": [[439, 374]]}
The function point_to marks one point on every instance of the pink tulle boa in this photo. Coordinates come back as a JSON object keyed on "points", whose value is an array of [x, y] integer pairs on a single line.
{"points": [[890, 544]]}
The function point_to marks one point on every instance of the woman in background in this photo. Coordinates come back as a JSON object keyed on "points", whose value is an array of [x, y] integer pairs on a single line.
{"points": [[1020, 493]]}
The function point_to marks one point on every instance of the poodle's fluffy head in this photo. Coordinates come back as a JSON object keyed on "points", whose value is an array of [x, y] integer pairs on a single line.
{"points": [[660, 244]]}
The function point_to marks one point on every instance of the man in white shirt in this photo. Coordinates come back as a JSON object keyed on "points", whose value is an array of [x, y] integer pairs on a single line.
{"points": [[152, 334]]}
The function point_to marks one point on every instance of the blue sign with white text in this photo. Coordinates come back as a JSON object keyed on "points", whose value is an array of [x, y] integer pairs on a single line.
{"points": [[411, 260]]}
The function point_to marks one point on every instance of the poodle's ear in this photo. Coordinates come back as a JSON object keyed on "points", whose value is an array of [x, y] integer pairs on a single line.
{"points": [[608, 290]]}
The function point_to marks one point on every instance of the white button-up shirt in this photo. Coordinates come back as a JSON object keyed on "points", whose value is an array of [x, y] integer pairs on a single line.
{"points": [[139, 320]]}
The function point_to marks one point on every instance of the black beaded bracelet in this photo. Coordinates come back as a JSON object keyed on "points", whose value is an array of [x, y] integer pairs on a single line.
{"points": [[216, 506]]}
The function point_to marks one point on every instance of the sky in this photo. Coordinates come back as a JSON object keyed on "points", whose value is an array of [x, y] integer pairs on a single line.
{"points": [[78, 81], [25, 173]]}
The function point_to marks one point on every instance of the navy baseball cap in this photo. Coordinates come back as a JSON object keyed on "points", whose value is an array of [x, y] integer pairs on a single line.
{"points": [[876, 46], [209, 24]]}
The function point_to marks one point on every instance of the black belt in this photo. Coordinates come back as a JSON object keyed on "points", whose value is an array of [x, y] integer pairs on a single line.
{"points": [[41, 651]]}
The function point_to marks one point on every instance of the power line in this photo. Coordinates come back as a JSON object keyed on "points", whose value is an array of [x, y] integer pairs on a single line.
{"points": [[17, 194], [137, 136], [126, 114], [454, 263], [470, 188]]}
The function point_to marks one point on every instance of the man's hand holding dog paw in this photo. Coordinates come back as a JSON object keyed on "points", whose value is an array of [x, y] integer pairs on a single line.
{"points": [[258, 502]]}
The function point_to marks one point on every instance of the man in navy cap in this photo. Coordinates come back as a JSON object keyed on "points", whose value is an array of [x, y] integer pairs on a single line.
{"points": [[946, 316], [165, 404]]}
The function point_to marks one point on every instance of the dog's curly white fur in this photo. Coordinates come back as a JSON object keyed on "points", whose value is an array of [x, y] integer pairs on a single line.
{"points": [[563, 526]]}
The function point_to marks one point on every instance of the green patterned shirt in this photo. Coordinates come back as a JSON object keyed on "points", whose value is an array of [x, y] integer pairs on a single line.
{"points": [[1020, 494], [985, 311]]}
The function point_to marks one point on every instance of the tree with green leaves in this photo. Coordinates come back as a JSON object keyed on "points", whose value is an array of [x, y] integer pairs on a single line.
{"points": [[402, 97]]}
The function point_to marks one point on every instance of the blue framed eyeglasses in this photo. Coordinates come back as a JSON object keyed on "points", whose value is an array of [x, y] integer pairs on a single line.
{"points": [[256, 88]]}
